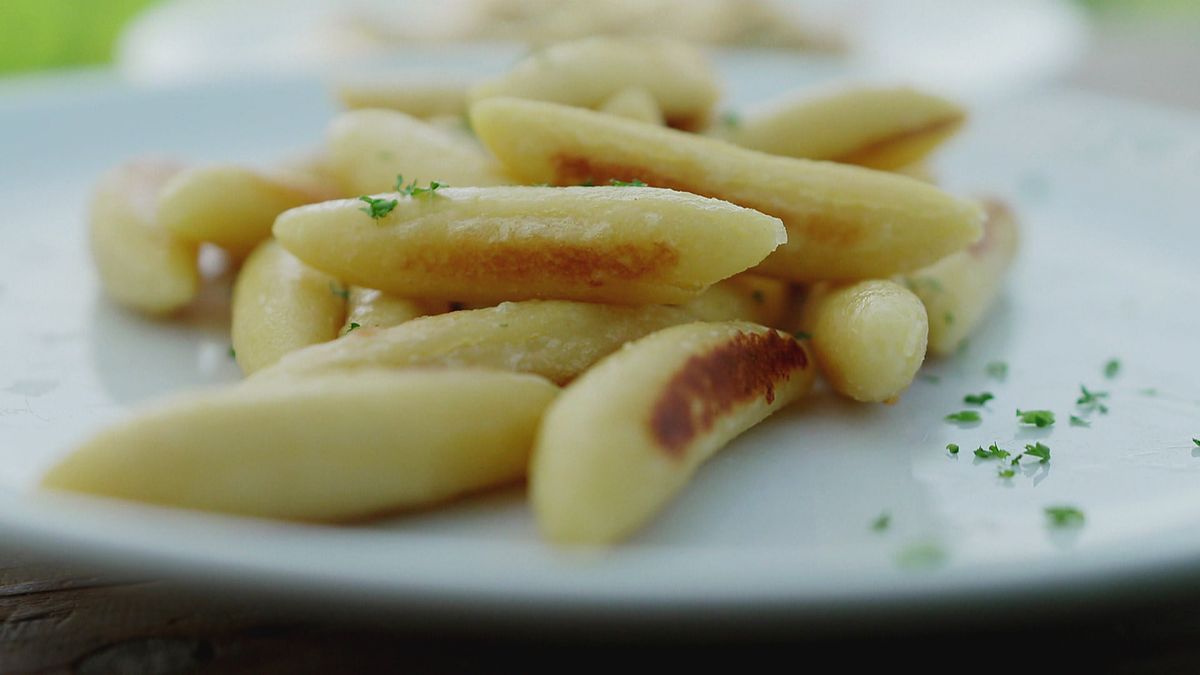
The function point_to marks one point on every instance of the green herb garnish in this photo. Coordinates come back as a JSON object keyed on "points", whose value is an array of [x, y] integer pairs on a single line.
{"points": [[994, 451], [963, 416], [626, 183], [1006, 473], [948, 317], [882, 522], [952, 448], [1077, 421], [1091, 401], [411, 190], [1039, 450], [1038, 418], [343, 293], [1112, 368], [921, 555], [353, 326], [978, 399], [1064, 516], [377, 208], [1194, 440], [233, 355], [997, 370], [731, 119], [801, 335]]}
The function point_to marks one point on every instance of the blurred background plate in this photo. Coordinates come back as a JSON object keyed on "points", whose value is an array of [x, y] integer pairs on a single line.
{"points": [[974, 49]]}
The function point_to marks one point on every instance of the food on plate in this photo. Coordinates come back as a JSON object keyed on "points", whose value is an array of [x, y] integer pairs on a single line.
{"points": [[142, 264], [844, 222], [628, 245], [556, 339], [416, 294], [718, 22], [635, 103], [876, 127], [231, 206], [280, 305], [587, 72], [626, 436], [319, 448], [369, 148], [370, 308], [868, 337], [959, 290]]}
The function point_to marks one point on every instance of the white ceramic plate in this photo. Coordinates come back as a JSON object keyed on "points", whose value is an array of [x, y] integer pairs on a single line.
{"points": [[780, 520]]}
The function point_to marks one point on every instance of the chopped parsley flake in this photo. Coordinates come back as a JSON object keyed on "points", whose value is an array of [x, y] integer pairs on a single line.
{"points": [[1039, 450], [353, 325], [731, 119], [997, 370], [340, 291], [411, 190], [1194, 440], [801, 335], [978, 399], [1091, 401], [1006, 472], [626, 183], [1077, 421], [1112, 368], [921, 555], [882, 522], [233, 355], [377, 208], [994, 451], [952, 448], [1064, 516], [963, 416], [948, 317], [1038, 418]]}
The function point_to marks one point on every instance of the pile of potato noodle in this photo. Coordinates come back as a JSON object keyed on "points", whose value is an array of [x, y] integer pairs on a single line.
{"points": [[593, 286]]}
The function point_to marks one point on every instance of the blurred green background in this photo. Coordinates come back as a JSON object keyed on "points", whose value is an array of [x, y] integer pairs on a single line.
{"points": [[36, 34], [40, 34]]}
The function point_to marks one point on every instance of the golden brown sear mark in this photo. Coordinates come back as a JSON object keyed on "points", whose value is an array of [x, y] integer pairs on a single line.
{"points": [[685, 122], [711, 384], [942, 126], [592, 265]]}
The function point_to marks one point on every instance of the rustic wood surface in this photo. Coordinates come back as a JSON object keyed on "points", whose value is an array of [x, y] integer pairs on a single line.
{"points": [[63, 618]]}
